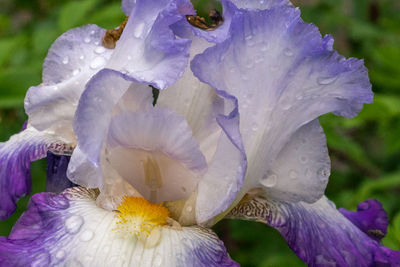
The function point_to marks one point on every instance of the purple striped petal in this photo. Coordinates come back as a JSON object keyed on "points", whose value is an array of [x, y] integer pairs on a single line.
{"points": [[321, 236], [370, 218], [16, 156], [70, 229]]}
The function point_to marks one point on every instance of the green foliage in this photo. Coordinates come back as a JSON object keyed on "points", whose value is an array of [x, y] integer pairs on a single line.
{"points": [[365, 150]]}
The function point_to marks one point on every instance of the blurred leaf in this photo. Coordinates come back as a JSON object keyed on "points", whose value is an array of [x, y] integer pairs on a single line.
{"points": [[73, 13], [108, 17], [386, 182]]}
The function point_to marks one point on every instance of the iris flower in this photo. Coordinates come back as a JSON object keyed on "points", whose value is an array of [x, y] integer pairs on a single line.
{"points": [[235, 134]]}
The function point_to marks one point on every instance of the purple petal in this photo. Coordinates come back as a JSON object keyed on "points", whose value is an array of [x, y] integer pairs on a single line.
{"points": [[69, 229], [148, 49], [284, 75], [16, 156], [370, 218], [57, 180], [321, 236]]}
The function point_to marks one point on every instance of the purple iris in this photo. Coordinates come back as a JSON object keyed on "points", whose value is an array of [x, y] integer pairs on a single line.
{"points": [[235, 135]]}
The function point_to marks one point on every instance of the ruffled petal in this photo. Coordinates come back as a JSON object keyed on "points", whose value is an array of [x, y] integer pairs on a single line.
{"points": [[370, 218], [302, 168], [319, 234], [284, 75], [197, 102], [73, 58], [96, 106], [16, 156], [148, 49], [69, 229]]}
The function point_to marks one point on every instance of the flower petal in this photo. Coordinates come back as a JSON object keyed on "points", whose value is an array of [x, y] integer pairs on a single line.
{"points": [[370, 218], [163, 136], [73, 58], [16, 156], [70, 229], [96, 106], [302, 168], [148, 49], [284, 75], [319, 234]]}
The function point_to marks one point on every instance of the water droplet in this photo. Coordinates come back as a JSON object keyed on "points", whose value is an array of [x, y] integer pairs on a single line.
{"points": [[249, 63], [87, 236], [269, 180], [326, 80], [293, 174], [92, 32], [65, 60], [99, 50], [248, 37], [189, 208], [138, 31], [288, 52], [86, 40], [60, 254], [157, 260], [82, 57], [254, 127], [97, 63], [97, 43], [303, 159], [129, 57], [76, 72], [73, 224], [264, 47], [324, 173]]}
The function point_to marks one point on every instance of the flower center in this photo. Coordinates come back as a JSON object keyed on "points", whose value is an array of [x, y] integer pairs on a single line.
{"points": [[139, 217]]}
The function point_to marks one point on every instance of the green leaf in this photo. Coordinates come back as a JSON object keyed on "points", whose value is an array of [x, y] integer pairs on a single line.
{"points": [[74, 13]]}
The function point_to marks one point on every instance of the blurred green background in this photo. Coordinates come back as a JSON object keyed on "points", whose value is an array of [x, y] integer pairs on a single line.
{"points": [[365, 151]]}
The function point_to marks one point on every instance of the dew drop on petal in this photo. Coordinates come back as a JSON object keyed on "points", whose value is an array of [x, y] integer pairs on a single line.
{"points": [[269, 180], [99, 50], [92, 32], [86, 40], [293, 174], [87, 236], [98, 62], [65, 60], [138, 31], [303, 159], [288, 52], [326, 80], [82, 57], [60, 254], [73, 224], [76, 72]]}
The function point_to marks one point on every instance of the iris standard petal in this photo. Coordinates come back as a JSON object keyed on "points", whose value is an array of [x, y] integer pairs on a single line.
{"points": [[148, 49], [284, 75], [96, 106], [319, 234], [16, 156], [70, 229], [73, 58]]}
